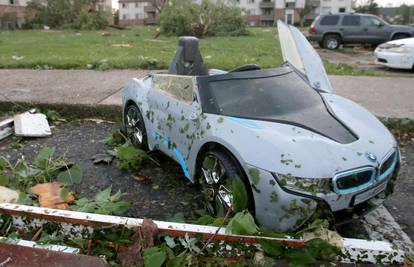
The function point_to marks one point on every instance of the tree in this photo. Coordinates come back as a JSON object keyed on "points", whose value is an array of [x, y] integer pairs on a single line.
{"points": [[184, 17], [406, 14], [307, 9], [368, 7], [78, 14]]}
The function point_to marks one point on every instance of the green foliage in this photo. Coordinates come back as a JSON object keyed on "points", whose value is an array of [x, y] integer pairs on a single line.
{"points": [[72, 175], [76, 14], [369, 7], [45, 168], [154, 257], [315, 250], [131, 158], [217, 18], [240, 197], [176, 17], [222, 18], [242, 224], [103, 203], [406, 14]]}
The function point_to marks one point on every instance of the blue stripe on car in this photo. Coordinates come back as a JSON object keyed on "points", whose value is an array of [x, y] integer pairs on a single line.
{"points": [[247, 123], [176, 152]]}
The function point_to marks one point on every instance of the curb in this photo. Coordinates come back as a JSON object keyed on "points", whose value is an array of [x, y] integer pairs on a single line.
{"points": [[79, 111]]}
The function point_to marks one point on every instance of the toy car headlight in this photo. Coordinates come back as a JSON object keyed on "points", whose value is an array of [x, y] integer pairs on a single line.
{"points": [[307, 185]]}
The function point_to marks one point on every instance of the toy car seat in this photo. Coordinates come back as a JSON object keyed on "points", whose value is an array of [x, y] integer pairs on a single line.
{"points": [[188, 60]]}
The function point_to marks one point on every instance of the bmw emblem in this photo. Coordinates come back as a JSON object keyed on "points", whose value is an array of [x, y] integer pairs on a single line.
{"points": [[371, 157]]}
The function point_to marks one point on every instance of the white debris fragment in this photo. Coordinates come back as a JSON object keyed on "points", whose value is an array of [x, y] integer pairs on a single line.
{"points": [[6, 128], [7, 195], [31, 125], [18, 58]]}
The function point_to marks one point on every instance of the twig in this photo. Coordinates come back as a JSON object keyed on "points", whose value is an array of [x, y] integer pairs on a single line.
{"points": [[37, 234], [5, 262], [218, 230]]}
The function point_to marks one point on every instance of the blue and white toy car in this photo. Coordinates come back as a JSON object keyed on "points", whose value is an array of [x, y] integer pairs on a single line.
{"points": [[295, 144]]}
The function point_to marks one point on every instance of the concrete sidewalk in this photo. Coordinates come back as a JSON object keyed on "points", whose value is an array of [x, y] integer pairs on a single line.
{"points": [[385, 97]]}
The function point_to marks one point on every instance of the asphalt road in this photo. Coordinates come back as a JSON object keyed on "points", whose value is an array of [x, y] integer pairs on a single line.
{"points": [[169, 192]]}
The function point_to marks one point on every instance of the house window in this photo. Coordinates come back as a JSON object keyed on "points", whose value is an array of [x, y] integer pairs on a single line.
{"points": [[11, 2], [123, 5], [342, 10], [290, 5]]}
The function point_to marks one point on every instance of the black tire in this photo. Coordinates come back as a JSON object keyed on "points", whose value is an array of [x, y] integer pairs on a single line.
{"points": [[213, 199], [399, 36], [134, 127], [320, 44], [331, 41]]}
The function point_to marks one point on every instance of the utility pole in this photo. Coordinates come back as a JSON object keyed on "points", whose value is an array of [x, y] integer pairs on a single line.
{"points": [[411, 14]]}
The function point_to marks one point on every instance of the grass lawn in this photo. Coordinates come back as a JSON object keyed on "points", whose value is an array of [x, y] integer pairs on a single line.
{"points": [[70, 50]]}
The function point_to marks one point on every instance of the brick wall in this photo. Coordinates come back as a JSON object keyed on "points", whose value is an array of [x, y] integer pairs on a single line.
{"points": [[12, 17], [252, 20]]}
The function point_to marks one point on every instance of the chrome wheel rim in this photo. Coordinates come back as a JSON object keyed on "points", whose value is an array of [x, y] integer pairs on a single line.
{"points": [[133, 123], [216, 190], [332, 43]]}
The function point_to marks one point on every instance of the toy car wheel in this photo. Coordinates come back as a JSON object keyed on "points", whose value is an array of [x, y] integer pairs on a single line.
{"points": [[331, 42], [135, 127], [218, 171]]}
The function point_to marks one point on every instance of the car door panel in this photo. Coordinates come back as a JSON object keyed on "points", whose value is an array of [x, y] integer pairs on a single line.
{"points": [[351, 29], [175, 117]]}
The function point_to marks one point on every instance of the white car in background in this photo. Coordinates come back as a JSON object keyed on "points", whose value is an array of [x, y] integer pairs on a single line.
{"points": [[398, 54]]}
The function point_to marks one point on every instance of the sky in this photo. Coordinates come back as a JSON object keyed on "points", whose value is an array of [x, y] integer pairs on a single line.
{"points": [[394, 2], [380, 2]]}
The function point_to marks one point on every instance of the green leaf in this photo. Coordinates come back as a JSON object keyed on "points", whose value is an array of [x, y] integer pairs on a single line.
{"points": [[64, 194], [71, 176], [242, 224], [116, 197], [271, 248], [104, 195], [3, 164], [179, 260], [25, 199], [178, 217], [322, 250], [299, 257], [154, 257], [4, 180], [240, 198], [42, 159]]}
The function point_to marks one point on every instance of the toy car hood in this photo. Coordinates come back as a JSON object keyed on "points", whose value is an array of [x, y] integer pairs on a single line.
{"points": [[289, 149]]}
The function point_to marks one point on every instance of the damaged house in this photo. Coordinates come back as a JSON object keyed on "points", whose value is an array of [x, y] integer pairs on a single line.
{"points": [[13, 13]]}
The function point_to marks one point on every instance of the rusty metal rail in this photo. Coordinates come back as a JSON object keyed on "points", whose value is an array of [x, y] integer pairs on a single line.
{"points": [[353, 250]]}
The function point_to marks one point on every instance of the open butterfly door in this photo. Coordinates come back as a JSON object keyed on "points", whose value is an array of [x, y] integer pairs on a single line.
{"points": [[297, 50]]}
